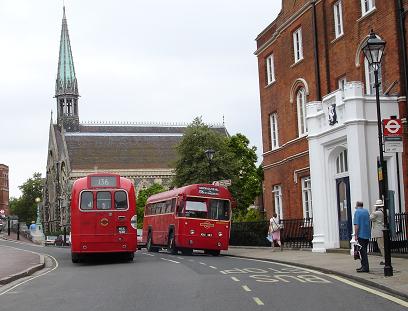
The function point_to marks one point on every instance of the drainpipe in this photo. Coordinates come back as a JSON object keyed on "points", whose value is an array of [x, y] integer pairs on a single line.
{"points": [[402, 41], [403, 49], [316, 52]]}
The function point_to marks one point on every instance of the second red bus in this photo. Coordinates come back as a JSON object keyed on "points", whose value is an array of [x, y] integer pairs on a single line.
{"points": [[194, 217]]}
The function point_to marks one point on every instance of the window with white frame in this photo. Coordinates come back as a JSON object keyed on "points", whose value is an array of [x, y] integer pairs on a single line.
{"points": [[270, 69], [341, 82], [338, 19], [342, 162], [370, 78], [367, 6], [273, 119], [301, 111], [307, 197], [277, 197], [298, 45]]}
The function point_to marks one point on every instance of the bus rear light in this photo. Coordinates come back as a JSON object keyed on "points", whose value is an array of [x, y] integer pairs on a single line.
{"points": [[190, 242], [219, 244], [84, 247], [124, 246], [186, 223], [220, 234], [209, 234], [202, 234], [192, 232], [121, 230]]}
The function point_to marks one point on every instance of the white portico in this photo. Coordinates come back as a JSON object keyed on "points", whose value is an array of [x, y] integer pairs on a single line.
{"points": [[343, 151]]}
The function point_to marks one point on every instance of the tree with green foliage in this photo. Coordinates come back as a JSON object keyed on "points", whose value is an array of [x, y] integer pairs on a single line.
{"points": [[192, 165], [233, 159], [142, 197], [246, 181], [24, 206]]}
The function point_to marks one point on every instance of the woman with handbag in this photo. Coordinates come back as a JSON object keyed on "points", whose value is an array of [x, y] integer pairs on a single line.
{"points": [[274, 230]]}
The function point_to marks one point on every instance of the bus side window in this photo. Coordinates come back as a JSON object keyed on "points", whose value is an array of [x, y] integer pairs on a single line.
{"points": [[103, 200], [173, 205], [121, 200], [86, 200]]}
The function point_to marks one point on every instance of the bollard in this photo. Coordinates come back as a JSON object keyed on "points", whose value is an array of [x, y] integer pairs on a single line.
{"points": [[65, 235], [8, 226], [18, 231]]}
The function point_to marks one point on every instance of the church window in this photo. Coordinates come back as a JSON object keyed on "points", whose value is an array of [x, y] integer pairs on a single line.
{"points": [[69, 107]]}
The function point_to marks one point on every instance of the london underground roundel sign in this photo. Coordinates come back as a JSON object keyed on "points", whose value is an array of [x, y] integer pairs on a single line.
{"points": [[392, 127]]}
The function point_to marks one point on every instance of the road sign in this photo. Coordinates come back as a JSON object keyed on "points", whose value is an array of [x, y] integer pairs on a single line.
{"points": [[393, 145], [392, 127]]}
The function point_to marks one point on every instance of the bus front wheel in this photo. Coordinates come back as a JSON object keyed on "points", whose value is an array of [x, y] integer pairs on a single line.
{"points": [[149, 245], [171, 246]]}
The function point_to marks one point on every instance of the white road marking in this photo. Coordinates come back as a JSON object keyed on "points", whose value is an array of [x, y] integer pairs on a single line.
{"points": [[258, 301], [147, 254], [223, 272], [246, 288], [169, 260], [212, 267], [338, 278], [192, 260], [23, 243], [234, 279], [202, 263], [180, 257], [370, 290]]}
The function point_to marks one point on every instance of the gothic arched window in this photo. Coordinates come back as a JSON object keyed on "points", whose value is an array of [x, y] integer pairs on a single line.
{"points": [[301, 111]]}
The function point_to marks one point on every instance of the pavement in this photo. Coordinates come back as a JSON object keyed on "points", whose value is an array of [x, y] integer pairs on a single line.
{"points": [[16, 263]]}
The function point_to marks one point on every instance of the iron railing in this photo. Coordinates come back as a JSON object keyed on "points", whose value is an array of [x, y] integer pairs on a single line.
{"points": [[398, 236], [295, 233]]}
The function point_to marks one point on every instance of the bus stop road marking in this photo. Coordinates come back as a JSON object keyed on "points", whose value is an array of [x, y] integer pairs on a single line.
{"points": [[234, 279], [258, 301], [202, 263], [212, 267], [169, 260]]}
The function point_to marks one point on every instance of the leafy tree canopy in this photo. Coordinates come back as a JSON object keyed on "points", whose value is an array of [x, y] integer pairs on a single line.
{"points": [[144, 194], [233, 159], [24, 206]]}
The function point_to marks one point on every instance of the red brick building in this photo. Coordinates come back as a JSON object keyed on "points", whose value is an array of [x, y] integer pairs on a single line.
{"points": [[4, 190], [307, 54]]}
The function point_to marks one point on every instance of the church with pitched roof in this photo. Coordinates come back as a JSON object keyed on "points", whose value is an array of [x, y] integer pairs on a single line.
{"points": [[145, 153]]}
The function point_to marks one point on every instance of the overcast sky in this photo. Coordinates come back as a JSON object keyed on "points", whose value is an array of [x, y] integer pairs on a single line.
{"points": [[155, 60]]}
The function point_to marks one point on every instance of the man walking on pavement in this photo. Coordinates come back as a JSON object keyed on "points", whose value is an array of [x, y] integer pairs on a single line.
{"points": [[362, 234]]}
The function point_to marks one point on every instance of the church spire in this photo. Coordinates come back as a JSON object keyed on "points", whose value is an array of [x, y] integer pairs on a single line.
{"points": [[66, 86]]}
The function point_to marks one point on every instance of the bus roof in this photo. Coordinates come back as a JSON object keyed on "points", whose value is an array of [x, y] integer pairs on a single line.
{"points": [[204, 190]]}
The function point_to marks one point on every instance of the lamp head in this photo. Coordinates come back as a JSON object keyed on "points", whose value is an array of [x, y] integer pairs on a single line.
{"points": [[209, 154], [373, 50]]}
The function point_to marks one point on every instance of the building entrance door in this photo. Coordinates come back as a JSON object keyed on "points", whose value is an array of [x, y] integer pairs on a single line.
{"points": [[344, 211]]}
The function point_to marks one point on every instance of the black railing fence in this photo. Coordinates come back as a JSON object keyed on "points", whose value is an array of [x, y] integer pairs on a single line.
{"points": [[398, 236], [295, 233]]}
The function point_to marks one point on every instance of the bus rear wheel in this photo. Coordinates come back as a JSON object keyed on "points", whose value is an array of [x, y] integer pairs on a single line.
{"points": [[149, 245], [75, 257], [171, 246], [187, 251]]}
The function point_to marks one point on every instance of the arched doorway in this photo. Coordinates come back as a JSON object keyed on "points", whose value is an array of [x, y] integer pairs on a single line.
{"points": [[343, 199]]}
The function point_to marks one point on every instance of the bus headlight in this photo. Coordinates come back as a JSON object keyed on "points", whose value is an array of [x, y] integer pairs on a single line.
{"points": [[192, 232], [220, 234]]}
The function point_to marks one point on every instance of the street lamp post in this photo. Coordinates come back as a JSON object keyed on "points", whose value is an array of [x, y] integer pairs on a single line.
{"points": [[210, 155], [373, 51]]}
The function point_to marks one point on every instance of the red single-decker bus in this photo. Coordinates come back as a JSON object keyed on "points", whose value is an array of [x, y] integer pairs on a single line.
{"points": [[103, 216], [194, 217]]}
